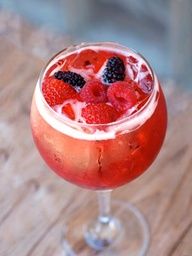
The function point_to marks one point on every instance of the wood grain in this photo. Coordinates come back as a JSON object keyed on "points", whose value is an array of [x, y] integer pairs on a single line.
{"points": [[34, 202]]}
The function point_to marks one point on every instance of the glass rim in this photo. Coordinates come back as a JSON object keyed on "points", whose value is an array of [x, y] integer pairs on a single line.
{"points": [[75, 47]]}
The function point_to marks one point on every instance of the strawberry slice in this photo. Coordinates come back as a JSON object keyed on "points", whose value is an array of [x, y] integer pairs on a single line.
{"points": [[68, 111], [85, 59], [56, 91], [122, 95], [132, 59], [99, 113]]}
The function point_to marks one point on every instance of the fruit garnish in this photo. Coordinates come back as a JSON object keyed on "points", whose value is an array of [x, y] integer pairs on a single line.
{"points": [[68, 111], [56, 91], [143, 68], [122, 95], [100, 85], [132, 59], [85, 59], [100, 113], [93, 92], [114, 70], [72, 78]]}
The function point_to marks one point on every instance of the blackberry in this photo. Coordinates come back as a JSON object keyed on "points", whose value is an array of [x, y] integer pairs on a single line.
{"points": [[58, 75], [114, 71], [72, 78]]}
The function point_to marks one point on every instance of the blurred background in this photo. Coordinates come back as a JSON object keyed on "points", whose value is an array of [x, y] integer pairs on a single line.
{"points": [[161, 30]]}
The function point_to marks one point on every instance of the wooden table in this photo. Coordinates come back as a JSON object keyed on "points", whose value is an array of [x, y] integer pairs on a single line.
{"points": [[33, 201]]}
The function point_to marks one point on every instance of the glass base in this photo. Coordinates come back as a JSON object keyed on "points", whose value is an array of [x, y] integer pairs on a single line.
{"points": [[132, 239]]}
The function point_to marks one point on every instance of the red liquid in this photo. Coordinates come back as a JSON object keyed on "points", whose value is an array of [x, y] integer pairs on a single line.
{"points": [[101, 164]]}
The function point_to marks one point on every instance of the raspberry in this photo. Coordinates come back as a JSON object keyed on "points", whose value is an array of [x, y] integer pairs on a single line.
{"points": [[99, 113], [68, 111], [93, 92], [74, 79], [122, 95], [56, 92], [114, 71]]}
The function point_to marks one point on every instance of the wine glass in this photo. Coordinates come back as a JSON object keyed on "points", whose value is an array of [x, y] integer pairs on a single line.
{"points": [[88, 157]]}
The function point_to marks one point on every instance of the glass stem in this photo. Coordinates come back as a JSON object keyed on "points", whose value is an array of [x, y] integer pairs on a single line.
{"points": [[104, 200], [103, 231]]}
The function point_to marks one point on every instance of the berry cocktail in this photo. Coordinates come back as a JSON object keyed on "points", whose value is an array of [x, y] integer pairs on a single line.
{"points": [[98, 118]]}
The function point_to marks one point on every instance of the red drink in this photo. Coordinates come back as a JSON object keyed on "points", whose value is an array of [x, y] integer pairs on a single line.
{"points": [[110, 154]]}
